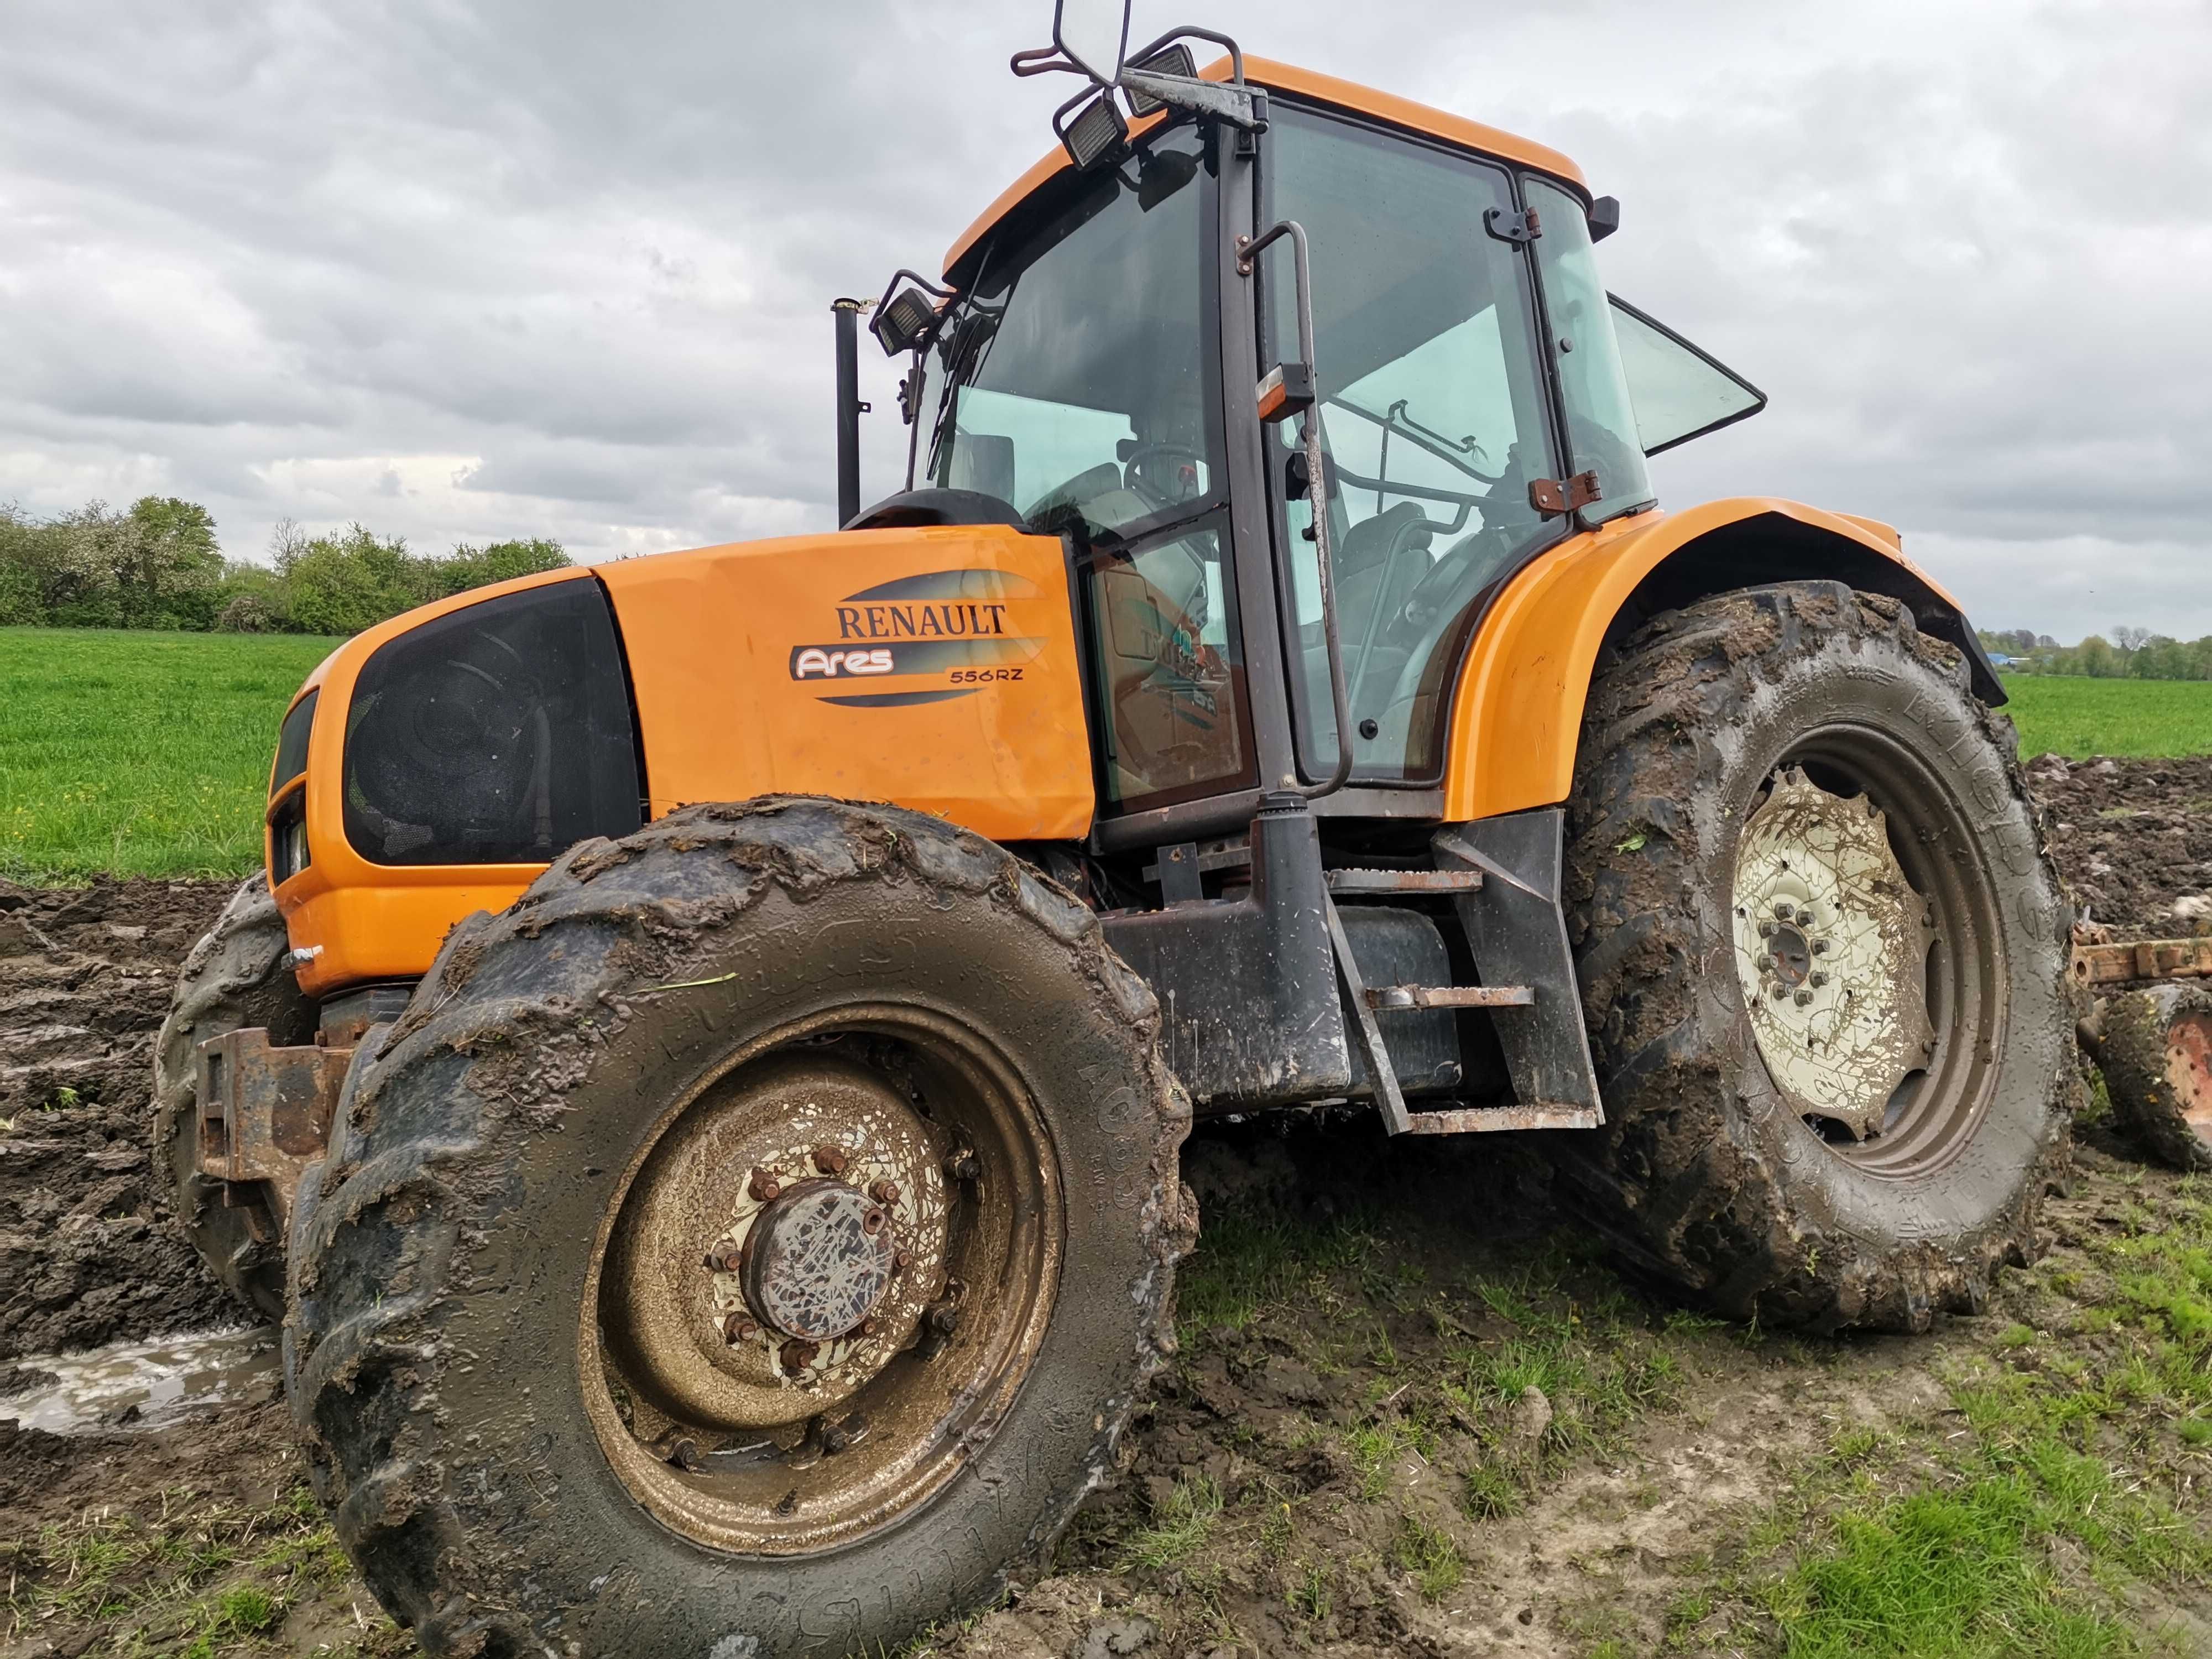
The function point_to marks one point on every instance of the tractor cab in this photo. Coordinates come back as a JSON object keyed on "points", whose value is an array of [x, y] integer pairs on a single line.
{"points": [[1303, 374]]}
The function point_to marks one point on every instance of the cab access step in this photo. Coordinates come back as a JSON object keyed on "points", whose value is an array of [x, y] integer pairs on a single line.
{"points": [[1297, 983]]}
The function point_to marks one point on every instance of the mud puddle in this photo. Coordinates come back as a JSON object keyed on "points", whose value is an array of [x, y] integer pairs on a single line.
{"points": [[142, 1385]]}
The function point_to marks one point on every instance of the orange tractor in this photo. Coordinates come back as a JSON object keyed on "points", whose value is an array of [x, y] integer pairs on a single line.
{"points": [[702, 1079]]}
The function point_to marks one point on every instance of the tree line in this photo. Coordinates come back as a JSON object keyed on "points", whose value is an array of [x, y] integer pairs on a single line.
{"points": [[2129, 654], [157, 564]]}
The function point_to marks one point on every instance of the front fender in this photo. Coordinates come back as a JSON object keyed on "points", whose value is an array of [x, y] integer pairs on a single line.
{"points": [[1517, 709]]}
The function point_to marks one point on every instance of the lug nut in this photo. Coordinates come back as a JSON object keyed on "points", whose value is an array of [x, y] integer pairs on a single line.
{"points": [[883, 1192], [763, 1186], [1765, 928], [1803, 997], [798, 1354], [830, 1160], [1819, 947], [725, 1257], [738, 1328], [1783, 908], [683, 1452], [866, 1328], [872, 1223], [963, 1165], [1780, 992], [1816, 979], [900, 1260]]}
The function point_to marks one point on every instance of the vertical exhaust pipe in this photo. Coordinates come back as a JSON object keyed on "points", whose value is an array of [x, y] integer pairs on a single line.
{"points": [[849, 408]]}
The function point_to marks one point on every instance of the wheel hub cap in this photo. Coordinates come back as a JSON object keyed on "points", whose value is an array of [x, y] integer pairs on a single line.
{"points": [[1831, 950], [819, 1260]]}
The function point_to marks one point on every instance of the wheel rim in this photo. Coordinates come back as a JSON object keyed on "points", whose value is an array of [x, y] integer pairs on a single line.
{"points": [[1869, 953], [820, 1285], [2189, 1071]]}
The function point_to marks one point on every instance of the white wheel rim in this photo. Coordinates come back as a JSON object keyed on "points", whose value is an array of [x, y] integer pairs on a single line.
{"points": [[1832, 947]]}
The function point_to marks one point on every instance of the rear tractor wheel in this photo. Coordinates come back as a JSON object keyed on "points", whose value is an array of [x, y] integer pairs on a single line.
{"points": [[753, 1242], [1824, 956]]}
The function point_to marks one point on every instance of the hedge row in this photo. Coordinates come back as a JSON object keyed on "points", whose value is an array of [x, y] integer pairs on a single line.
{"points": [[158, 565]]}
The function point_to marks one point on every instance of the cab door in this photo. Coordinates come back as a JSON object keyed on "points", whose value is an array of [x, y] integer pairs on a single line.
{"points": [[1437, 416]]}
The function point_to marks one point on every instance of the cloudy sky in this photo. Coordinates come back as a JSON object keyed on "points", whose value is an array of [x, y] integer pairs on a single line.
{"points": [[466, 271]]}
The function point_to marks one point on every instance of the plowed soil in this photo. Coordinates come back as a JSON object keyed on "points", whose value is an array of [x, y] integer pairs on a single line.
{"points": [[1414, 1412], [2133, 839], [87, 1254]]}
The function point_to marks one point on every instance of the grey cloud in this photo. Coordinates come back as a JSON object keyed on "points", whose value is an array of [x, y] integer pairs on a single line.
{"points": [[562, 268]]}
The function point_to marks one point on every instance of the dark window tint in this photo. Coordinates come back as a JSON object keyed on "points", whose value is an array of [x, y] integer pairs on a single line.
{"points": [[499, 734], [1169, 679], [292, 742]]}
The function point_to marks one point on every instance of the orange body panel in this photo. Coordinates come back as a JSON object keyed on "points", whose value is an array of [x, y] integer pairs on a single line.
{"points": [[1322, 89], [980, 720], [1517, 711], [934, 667]]}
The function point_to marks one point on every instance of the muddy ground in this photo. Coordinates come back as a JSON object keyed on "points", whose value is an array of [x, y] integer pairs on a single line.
{"points": [[1390, 1429], [2134, 839]]}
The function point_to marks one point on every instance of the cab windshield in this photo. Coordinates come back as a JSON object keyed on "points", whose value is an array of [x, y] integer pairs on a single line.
{"points": [[1071, 380]]}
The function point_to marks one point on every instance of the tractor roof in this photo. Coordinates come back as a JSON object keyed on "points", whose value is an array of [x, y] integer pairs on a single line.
{"points": [[1382, 106]]}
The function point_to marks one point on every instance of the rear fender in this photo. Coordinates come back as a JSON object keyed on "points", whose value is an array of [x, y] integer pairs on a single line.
{"points": [[1517, 710]]}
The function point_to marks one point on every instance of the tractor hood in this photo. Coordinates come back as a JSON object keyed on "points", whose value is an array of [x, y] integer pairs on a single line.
{"points": [[437, 763]]}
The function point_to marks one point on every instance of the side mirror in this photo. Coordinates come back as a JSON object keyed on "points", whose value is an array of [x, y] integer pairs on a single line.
{"points": [[1093, 35]]}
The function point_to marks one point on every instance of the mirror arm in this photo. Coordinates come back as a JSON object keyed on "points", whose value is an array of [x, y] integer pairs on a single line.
{"points": [[1248, 249], [1041, 60], [1240, 106]]}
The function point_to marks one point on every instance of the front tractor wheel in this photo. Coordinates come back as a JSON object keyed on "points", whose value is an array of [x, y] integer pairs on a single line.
{"points": [[1824, 957], [754, 1242]]}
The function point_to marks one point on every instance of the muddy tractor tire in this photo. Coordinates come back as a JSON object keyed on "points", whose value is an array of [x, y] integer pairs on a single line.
{"points": [[1823, 957], [238, 976], [2154, 1048], [753, 1242]]}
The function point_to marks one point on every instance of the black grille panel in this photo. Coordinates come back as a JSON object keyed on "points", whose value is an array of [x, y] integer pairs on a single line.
{"points": [[498, 734]]}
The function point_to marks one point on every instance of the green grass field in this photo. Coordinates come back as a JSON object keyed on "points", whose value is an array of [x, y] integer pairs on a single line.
{"points": [[138, 752], [2077, 717], [147, 754]]}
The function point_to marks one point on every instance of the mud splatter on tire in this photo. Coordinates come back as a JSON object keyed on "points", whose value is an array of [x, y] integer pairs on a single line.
{"points": [[1705, 1178], [440, 1279], [236, 977]]}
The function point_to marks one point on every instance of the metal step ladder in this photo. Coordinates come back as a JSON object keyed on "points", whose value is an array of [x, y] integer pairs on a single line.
{"points": [[1503, 876]]}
